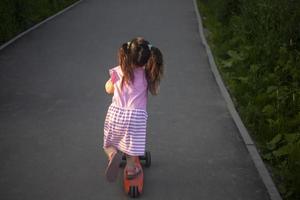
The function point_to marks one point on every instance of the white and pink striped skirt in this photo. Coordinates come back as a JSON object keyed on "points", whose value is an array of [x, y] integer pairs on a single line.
{"points": [[125, 129]]}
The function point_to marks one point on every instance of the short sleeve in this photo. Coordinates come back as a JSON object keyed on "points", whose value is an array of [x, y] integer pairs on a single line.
{"points": [[113, 75]]}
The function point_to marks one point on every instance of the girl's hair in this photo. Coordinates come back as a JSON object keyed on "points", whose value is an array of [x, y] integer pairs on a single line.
{"points": [[137, 53]]}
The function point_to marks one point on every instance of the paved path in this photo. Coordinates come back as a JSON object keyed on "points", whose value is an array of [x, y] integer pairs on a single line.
{"points": [[53, 104]]}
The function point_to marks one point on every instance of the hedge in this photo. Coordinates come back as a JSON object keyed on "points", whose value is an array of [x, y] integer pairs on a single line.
{"points": [[19, 15], [256, 45]]}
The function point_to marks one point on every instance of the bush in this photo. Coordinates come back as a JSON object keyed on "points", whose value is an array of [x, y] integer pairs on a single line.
{"points": [[18, 15], [256, 45]]}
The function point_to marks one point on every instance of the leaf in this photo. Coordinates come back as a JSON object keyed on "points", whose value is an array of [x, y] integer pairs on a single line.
{"points": [[267, 156], [271, 146], [282, 188], [292, 137], [271, 89], [289, 193], [234, 55], [271, 121], [227, 63], [268, 110], [243, 79], [282, 151], [273, 143], [254, 68], [276, 139]]}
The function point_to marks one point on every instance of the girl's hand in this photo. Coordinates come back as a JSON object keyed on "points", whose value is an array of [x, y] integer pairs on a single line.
{"points": [[109, 87]]}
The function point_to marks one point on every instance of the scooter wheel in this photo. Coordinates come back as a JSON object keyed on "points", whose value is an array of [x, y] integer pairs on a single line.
{"points": [[148, 159], [133, 191]]}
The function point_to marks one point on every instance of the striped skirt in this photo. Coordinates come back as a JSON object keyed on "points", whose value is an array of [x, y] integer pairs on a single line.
{"points": [[125, 129]]}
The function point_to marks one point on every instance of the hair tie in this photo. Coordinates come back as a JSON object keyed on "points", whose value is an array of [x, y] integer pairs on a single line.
{"points": [[128, 44], [150, 46]]}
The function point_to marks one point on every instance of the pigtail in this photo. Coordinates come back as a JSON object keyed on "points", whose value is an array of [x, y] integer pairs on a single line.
{"points": [[125, 62], [154, 70], [137, 53]]}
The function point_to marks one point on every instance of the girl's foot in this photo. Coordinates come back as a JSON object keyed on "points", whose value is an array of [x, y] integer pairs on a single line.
{"points": [[133, 173], [112, 168]]}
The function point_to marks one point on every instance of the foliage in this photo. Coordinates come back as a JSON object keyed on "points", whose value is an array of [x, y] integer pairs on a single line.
{"points": [[256, 45], [282, 151], [18, 15]]}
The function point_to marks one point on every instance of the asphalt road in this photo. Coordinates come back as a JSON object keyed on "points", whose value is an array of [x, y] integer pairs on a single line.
{"points": [[53, 105]]}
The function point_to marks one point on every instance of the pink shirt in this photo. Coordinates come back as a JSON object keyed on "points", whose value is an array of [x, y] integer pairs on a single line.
{"points": [[133, 96]]}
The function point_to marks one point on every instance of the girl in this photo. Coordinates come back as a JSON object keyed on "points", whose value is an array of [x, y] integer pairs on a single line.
{"points": [[140, 70]]}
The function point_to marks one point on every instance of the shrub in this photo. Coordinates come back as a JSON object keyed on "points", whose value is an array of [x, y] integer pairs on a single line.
{"points": [[256, 45], [18, 15]]}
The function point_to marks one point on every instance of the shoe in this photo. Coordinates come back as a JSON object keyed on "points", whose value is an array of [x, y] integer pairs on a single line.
{"points": [[112, 168]]}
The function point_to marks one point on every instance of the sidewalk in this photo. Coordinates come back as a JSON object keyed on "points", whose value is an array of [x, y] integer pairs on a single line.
{"points": [[53, 105]]}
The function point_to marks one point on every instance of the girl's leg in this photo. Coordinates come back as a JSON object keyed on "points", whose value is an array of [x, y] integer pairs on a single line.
{"points": [[110, 151], [112, 168], [130, 162], [132, 168]]}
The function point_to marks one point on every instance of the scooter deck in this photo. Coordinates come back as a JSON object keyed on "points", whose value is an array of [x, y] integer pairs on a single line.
{"points": [[134, 187]]}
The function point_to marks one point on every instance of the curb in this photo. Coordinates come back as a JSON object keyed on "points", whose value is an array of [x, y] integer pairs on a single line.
{"points": [[259, 164], [37, 25]]}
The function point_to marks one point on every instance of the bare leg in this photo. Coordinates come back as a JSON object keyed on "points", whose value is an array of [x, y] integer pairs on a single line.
{"points": [[109, 151], [114, 159], [130, 162], [132, 168]]}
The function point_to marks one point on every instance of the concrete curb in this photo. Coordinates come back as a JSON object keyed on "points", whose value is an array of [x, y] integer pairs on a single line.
{"points": [[37, 25], [260, 166]]}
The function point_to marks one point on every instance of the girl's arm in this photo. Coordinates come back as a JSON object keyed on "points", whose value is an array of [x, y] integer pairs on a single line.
{"points": [[109, 87]]}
